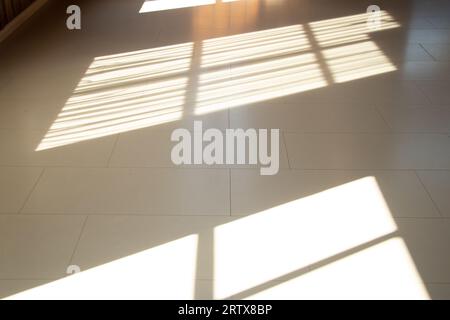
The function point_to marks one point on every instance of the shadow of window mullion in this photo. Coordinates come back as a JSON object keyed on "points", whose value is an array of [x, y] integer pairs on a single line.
{"points": [[316, 49], [204, 277]]}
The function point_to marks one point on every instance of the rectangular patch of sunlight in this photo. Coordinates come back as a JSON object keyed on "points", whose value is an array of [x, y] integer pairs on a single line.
{"points": [[262, 247], [117, 110], [163, 272], [256, 82], [124, 92], [343, 30], [255, 45], [162, 5], [356, 61], [120, 69], [384, 271]]}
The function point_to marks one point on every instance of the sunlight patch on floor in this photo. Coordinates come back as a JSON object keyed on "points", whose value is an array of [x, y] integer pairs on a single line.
{"points": [[384, 271], [163, 272], [124, 92], [134, 90], [338, 243]]}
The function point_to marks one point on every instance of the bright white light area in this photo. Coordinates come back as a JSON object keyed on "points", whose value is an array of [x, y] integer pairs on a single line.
{"points": [[269, 64], [124, 92], [120, 69], [249, 46], [259, 82], [133, 90], [340, 243], [384, 271], [260, 249], [163, 272], [348, 29], [113, 111], [356, 61], [162, 5]]}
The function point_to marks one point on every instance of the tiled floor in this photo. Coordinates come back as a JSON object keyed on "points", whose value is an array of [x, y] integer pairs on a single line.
{"points": [[359, 209]]}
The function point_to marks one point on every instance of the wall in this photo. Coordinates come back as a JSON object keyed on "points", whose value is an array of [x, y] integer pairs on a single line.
{"points": [[9, 9]]}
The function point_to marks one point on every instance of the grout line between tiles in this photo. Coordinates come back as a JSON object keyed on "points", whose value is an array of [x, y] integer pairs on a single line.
{"points": [[432, 57], [112, 150], [378, 111], [31, 191], [423, 92], [429, 194], [285, 148], [78, 240]]}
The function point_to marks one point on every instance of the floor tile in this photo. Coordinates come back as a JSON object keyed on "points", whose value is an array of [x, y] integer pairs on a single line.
{"points": [[110, 238], [417, 119], [402, 191], [439, 291], [19, 148], [153, 148], [429, 36], [440, 52], [425, 70], [438, 185], [309, 237], [131, 191], [27, 118], [399, 53], [37, 247], [386, 88], [15, 186], [440, 22], [309, 118], [427, 241], [436, 91], [368, 151], [414, 52], [420, 23], [363, 274], [390, 90], [11, 287], [116, 285]]}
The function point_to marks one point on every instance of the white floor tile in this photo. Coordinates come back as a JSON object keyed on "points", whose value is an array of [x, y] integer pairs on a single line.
{"points": [[402, 191], [12, 287], [15, 186], [37, 247], [439, 291], [436, 91], [310, 118], [427, 241], [152, 148], [110, 238], [425, 70], [19, 148], [417, 119], [440, 52], [368, 151], [429, 36], [438, 185], [131, 191]]}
